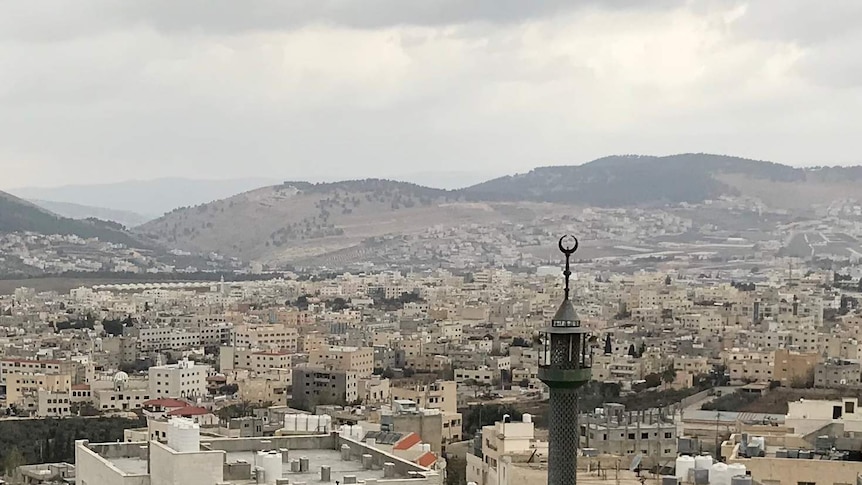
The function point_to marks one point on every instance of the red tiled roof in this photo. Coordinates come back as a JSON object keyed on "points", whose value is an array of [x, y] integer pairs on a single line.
{"points": [[189, 411], [81, 387], [427, 459], [408, 442], [166, 403]]}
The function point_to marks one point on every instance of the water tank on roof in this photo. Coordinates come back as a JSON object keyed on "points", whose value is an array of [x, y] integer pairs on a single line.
{"points": [[314, 423], [527, 418], [184, 435], [302, 422], [700, 477], [736, 470], [684, 463], [290, 422], [702, 462], [326, 423], [270, 461], [718, 474]]}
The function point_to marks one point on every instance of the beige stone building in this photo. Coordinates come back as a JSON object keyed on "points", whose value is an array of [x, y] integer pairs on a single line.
{"points": [[354, 359]]}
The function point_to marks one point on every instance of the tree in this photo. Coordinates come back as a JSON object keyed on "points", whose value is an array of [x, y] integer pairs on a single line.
{"points": [[608, 346], [667, 280], [387, 373], [472, 384], [642, 349], [12, 460], [456, 470], [668, 375], [228, 389], [408, 372], [632, 350]]}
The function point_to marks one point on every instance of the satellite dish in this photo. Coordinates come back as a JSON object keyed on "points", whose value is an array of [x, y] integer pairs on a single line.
{"points": [[636, 462]]}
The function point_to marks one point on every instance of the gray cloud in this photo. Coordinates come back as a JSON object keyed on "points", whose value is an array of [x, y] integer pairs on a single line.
{"points": [[114, 90]]}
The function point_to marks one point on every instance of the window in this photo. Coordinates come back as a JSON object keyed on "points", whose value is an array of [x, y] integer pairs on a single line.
{"points": [[668, 435], [644, 436], [849, 407], [631, 436]]}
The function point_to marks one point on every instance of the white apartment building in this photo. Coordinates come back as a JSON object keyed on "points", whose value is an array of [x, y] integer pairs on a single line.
{"points": [[185, 379], [151, 339]]}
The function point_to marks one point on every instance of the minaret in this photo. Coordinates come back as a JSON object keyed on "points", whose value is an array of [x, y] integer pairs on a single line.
{"points": [[564, 365]]}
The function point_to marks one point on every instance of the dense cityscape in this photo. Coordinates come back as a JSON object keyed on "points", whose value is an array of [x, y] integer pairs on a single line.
{"points": [[436, 242]]}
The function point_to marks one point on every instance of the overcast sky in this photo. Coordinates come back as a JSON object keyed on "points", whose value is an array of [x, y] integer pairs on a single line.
{"points": [[108, 90]]}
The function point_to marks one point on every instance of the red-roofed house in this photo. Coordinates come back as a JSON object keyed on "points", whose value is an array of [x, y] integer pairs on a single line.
{"points": [[199, 415], [159, 408]]}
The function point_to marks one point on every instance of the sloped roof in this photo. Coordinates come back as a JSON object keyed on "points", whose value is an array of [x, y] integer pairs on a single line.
{"points": [[408, 442], [427, 459], [189, 411], [166, 403]]}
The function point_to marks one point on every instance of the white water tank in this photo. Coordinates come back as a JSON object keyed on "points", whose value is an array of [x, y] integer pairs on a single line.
{"points": [[527, 418], [184, 435], [313, 422], [326, 423], [702, 462], [356, 432], [270, 461], [302, 422], [718, 474], [344, 431], [684, 464], [290, 422], [736, 470]]}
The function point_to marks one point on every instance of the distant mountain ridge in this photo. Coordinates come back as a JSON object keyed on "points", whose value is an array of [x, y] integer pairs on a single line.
{"points": [[155, 196], [77, 211], [633, 179], [17, 215]]}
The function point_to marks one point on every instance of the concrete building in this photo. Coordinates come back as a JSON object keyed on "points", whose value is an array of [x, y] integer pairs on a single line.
{"points": [[353, 359], [280, 337], [53, 404], [503, 439], [838, 373], [314, 386], [22, 388], [794, 367], [374, 390], [184, 459], [440, 395], [614, 431], [27, 366], [185, 379]]}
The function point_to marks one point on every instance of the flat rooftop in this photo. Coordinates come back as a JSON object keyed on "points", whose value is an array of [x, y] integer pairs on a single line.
{"points": [[131, 458], [316, 459]]}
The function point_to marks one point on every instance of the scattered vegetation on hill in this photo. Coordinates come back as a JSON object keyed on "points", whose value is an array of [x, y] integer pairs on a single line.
{"points": [[17, 215]]}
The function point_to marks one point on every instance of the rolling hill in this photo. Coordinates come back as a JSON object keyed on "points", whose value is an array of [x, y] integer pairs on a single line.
{"points": [[637, 180], [17, 215], [297, 220]]}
